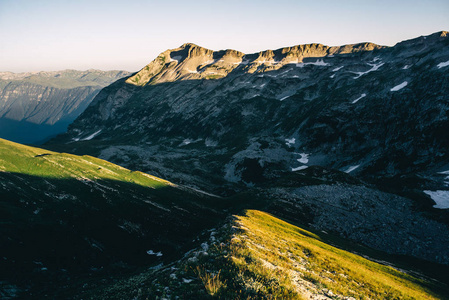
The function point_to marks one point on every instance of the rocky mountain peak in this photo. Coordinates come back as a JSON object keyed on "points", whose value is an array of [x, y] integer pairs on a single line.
{"points": [[190, 61], [325, 100], [423, 42]]}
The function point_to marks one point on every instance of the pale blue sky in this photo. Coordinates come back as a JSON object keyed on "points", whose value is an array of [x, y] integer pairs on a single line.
{"points": [[40, 35]]}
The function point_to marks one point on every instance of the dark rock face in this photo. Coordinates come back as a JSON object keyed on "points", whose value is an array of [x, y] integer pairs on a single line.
{"points": [[37, 106], [382, 110], [368, 216]]}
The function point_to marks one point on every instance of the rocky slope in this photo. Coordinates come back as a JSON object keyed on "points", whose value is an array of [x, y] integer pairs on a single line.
{"points": [[226, 121], [363, 108], [36, 106]]}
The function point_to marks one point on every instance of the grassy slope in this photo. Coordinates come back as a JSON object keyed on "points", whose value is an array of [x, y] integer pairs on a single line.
{"points": [[21, 159], [307, 265], [258, 256], [102, 205], [63, 216]]}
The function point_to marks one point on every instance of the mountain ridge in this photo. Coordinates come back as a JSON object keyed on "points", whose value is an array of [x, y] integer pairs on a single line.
{"points": [[378, 115], [220, 63], [230, 58], [352, 146], [90, 77], [35, 106]]}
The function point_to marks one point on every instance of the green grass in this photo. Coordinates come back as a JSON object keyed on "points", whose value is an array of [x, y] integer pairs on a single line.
{"points": [[21, 159], [214, 76], [79, 213]]}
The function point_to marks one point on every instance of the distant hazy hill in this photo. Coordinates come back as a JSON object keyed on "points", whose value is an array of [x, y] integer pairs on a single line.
{"points": [[36, 106]]}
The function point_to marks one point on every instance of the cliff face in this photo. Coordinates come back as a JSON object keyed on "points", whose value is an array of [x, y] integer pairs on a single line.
{"points": [[364, 109], [36, 106]]}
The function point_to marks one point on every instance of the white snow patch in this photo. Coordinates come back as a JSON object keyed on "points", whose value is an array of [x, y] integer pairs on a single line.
{"points": [[444, 172], [399, 87], [187, 280], [405, 67], [374, 67], [304, 158], [338, 68], [290, 142], [151, 252], [440, 197], [351, 168], [186, 142], [283, 98], [332, 76], [193, 72], [175, 58], [361, 96], [319, 62], [299, 168], [210, 143], [443, 64], [91, 136]]}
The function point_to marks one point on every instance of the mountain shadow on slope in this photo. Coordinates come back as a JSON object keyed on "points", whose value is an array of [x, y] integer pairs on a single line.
{"points": [[58, 231]]}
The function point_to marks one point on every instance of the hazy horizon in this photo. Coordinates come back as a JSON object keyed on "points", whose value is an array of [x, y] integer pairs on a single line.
{"points": [[109, 35]]}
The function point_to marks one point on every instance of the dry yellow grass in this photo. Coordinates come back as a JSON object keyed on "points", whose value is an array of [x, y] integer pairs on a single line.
{"points": [[303, 264]]}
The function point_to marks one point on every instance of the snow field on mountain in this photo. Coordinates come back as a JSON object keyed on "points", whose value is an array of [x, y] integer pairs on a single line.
{"points": [[399, 87]]}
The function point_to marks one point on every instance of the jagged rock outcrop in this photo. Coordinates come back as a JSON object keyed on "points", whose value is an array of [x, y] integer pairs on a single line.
{"points": [[192, 62], [36, 106]]}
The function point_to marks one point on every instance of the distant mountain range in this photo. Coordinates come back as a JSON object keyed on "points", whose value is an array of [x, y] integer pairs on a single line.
{"points": [[37, 106]]}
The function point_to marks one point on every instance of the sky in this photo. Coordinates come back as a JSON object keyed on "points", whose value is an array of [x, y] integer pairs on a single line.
{"points": [[44, 35]]}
